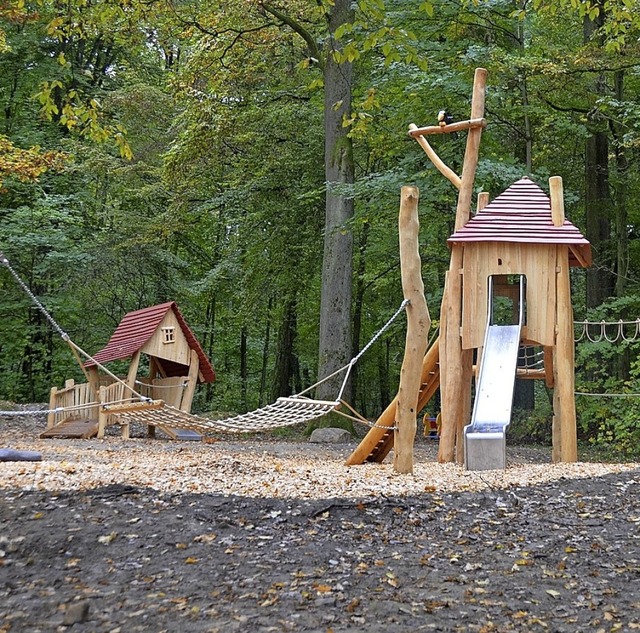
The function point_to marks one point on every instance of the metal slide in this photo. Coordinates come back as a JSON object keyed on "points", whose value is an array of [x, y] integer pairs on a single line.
{"points": [[485, 437]]}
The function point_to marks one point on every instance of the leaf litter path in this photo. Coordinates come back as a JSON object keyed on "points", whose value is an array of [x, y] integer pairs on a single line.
{"points": [[560, 557], [87, 546]]}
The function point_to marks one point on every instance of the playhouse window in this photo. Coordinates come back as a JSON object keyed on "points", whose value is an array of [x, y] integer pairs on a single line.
{"points": [[169, 334]]}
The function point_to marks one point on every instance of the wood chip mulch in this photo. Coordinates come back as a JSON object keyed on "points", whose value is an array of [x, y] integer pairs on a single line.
{"points": [[263, 535]]}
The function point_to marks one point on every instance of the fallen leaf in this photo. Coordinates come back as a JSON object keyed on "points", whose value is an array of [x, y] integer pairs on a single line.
{"points": [[108, 538]]}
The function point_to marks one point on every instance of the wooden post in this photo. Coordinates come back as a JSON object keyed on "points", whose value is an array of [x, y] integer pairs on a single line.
{"points": [[418, 324], [557, 200], [132, 374], [455, 363], [483, 201], [564, 404], [102, 414], [189, 390], [51, 416]]}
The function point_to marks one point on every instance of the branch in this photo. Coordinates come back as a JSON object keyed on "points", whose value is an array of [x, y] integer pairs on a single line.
{"points": [[296, 27]]}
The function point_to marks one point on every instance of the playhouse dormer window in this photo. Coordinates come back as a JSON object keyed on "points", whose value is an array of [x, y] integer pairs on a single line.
{"points": [[168, 335]]}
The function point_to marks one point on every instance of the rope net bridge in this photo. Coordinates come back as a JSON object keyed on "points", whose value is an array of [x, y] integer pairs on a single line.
{"points": [[285, 411]]}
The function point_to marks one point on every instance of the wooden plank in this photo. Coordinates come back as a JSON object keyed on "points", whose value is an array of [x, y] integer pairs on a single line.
{"points": [[114, 409], [72, 428], [418, 324]]}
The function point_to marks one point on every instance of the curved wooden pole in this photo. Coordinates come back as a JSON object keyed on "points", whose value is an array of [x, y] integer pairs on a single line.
{"points": [[418, 324], [438, 163]]}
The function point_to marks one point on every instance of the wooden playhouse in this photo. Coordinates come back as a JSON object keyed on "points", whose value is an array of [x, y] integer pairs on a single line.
{"points": [[166, 363]]}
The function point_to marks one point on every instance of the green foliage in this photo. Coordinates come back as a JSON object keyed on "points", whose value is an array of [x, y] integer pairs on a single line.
{"points": [[613, 370]]}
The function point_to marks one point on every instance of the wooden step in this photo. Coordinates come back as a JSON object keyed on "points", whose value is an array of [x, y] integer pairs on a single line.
{"points": [[72, 428]]}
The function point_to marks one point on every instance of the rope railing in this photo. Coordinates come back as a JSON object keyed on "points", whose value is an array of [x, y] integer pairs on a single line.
{"points": [[609, 331]]}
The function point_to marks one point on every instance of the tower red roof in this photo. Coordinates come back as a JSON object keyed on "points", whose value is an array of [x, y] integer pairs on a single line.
{"points": [[522, 214]]}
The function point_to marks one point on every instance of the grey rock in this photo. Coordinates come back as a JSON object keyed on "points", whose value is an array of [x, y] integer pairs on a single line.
{"points": [[330, 435]]}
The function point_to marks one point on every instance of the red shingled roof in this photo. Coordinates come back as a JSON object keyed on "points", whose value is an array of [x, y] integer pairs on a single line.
{"points": [[137, 327], [522, 214]]}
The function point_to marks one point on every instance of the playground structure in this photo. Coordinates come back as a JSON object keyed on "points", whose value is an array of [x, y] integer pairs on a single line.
{"points": [[518, 248], [87, 409], [176, 364]]}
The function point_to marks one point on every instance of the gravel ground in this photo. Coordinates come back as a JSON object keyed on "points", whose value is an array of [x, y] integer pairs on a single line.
{"points": [[264, 535]]}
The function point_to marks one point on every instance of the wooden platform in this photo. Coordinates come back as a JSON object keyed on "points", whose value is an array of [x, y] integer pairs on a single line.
{"points": [[72, 428]]}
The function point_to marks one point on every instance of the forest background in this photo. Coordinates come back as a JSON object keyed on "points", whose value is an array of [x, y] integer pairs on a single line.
{"points": [[244, 158]]}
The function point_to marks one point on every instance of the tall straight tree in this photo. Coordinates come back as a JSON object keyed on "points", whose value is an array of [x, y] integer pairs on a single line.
{"points": [[336, 291], [335, 302]]}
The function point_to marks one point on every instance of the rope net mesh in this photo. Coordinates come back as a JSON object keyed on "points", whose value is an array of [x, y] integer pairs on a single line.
{"points": [[283, 412]]}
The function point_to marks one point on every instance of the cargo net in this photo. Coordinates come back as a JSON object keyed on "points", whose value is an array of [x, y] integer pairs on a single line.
{"points": [[283, 412]]}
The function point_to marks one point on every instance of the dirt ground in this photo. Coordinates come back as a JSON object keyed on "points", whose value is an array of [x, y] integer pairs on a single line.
{"points": [[117, 556]]}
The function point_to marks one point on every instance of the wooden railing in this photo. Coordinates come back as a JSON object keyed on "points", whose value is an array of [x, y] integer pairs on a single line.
{"points": [[79, 401]]}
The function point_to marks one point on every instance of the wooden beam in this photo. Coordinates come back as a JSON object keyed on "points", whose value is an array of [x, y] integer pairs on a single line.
{"points": [[438, 163], [132, 406], [418, 324], [458, 126], [576, 249]]}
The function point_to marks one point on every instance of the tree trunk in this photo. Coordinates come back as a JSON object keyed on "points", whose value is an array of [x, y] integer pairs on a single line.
{"points": [[621, 190], [600, 282], [286, 361], [335, 301], [243, 369], [265, 355], [358, 304]]}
